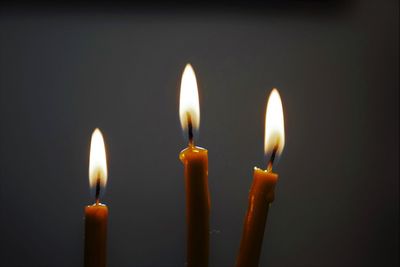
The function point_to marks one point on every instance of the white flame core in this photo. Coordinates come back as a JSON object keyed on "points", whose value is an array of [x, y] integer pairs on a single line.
{"points": [[97, 160], [274, 124], [189, 99]]}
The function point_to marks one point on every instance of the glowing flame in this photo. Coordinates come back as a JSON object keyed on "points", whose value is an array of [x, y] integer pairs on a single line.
{"points": [[274, 124], [97, 161], [189, 99]]}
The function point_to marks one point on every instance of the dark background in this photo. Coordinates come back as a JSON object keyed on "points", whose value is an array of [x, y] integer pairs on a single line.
{"points": [[67, 69]]}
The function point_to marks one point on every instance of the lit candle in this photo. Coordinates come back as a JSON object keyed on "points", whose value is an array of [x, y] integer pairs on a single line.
{"points": [[96, 215], [262, 191], [195, 160]]}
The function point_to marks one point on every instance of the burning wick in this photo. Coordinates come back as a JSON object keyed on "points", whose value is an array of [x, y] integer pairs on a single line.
{"points": [[190, 129], [271, 160], [97, 190]]}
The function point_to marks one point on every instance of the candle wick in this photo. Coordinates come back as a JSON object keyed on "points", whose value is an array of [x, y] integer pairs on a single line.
{"points": [[97, 190], [190, 130], [271, 160]]}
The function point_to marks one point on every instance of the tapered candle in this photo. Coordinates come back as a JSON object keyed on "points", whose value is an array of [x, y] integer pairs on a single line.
{"points": [[262, 192], [195, 160], [96, 215]]}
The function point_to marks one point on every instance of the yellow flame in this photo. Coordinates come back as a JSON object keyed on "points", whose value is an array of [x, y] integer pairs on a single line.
{"points": [[274, 124], [189, 99], [97, 161]]}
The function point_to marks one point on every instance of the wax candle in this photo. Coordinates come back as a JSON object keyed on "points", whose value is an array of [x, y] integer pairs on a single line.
{"points": [[195, 160], [96, 215], [262, 192]]}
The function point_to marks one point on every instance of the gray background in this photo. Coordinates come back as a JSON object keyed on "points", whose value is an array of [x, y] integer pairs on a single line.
{"points": [[65, 70]]}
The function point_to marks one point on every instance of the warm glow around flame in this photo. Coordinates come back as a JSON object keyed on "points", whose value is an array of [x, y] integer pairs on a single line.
{"points": [[274, 124], [97, 161], [189, 99]]}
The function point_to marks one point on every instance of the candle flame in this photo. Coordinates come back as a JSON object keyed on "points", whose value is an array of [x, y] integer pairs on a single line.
{"points": [[189, 110], [97, 161], [274, 125]]}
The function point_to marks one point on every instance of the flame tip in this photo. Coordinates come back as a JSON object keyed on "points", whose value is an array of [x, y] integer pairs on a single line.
{"points": [[97, 131], [188, 67], [274, 91]]}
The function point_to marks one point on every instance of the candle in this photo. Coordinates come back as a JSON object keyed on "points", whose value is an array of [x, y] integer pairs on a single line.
{"points": [[262, 192], [96, 215], [195, 160]]}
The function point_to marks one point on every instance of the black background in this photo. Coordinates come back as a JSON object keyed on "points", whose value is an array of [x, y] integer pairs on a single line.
{"points": [[66, 69]]}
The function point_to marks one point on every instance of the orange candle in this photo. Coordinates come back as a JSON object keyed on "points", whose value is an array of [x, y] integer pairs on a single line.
{"points": [[96, 215], [195, 160], [262, 192]]}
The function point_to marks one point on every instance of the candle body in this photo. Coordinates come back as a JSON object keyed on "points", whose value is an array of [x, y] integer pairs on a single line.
{"points": [[195, 160], [96, 217], [261, 195]]}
